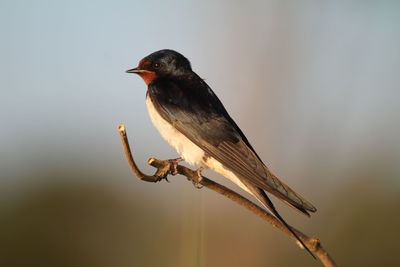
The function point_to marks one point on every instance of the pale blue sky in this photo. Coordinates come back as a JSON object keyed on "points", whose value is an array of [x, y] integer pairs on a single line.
{"points": [[307, 82]]}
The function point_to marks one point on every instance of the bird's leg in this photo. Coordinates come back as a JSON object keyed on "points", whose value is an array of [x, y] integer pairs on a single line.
{"points": [[174, 165], [166, 169], [196, 181], [162, 172]]}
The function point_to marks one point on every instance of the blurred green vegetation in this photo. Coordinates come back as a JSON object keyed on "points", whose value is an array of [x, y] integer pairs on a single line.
{"points": [[90, 222]]}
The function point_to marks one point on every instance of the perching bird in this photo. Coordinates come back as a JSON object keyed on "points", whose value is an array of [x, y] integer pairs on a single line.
{"points": [[191, 118]]}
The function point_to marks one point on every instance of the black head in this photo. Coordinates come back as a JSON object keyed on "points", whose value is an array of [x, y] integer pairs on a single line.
{"points": [[162, 63]]}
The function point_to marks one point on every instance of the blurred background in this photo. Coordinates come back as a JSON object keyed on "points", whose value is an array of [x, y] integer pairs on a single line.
{"points": [[314, 86]]}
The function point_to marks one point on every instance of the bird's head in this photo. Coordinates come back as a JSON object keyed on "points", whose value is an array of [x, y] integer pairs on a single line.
{"points": [[163, 63]]}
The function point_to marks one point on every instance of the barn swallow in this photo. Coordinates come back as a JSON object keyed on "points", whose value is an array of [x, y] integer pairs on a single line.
{"points": [[191, 118]]}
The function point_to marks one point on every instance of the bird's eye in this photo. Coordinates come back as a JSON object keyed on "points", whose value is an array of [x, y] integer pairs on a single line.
{"points": [[156, 65]]}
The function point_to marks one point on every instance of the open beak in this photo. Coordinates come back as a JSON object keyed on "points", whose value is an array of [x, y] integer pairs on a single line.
{"points": [[136, 70]]}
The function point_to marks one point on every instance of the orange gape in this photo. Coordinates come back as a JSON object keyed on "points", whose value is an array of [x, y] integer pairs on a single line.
{"points": [[148, 76]]}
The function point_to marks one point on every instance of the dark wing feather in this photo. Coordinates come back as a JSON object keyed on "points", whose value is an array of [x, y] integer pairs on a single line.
{"points": [[197, 113]]}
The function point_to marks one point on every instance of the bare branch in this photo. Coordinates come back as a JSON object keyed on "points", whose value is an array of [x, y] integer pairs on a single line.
{"points": [[165, 168]]}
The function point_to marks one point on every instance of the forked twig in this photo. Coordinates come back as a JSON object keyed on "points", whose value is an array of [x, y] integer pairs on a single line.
{"points": [[165, 168]]}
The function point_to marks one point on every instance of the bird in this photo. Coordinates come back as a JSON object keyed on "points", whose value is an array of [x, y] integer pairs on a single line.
{"points": [[192, 119]]}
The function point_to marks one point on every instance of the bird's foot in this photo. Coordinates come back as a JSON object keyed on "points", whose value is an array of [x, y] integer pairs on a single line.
{"points": [[163, 172], [197, 180], [174, 165], [168, 167]]}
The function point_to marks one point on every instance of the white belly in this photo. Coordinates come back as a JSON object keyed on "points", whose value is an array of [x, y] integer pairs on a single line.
{"points": [[216, 166], [189, 151]]}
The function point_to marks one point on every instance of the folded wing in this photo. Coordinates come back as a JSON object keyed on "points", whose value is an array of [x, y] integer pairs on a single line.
{"points": [[206, 123]]}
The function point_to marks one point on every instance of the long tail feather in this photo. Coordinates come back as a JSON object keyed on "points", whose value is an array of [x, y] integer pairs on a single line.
{"points": [[267, 203]]}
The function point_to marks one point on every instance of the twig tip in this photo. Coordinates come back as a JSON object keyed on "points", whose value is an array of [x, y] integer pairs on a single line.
{"points": [[121, 127]]}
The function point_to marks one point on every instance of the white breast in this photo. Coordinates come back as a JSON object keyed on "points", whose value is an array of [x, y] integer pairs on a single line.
{"points": [[189, 151]]}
